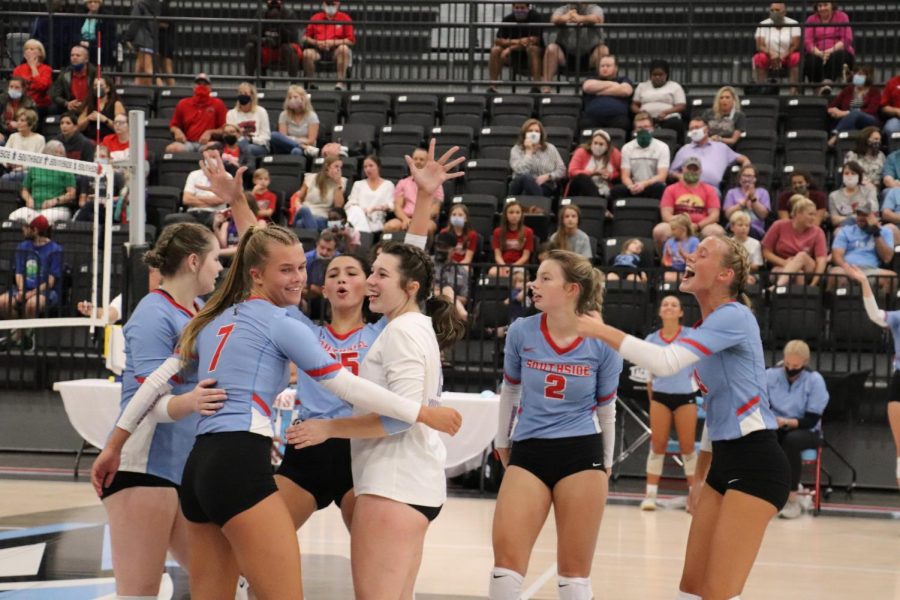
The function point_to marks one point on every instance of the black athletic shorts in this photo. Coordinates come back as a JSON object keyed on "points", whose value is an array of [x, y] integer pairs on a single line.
{"points": [[550, 460], [226, 474], [322, 470], [674, 401], [894, 388], [129, 479], [754, 464]]}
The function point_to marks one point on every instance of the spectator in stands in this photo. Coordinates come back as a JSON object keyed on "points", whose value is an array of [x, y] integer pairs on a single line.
{"points": [[739, 224], [196, 118], [536, 164], [677, 248], [450, 278], [749, 199], [61, 35], [627, 263], [317, 261], [276, 44], [829, 46], [118, 143], [200, 202], [867, 153], [348, 238], [890, 107], [38, 277], [844, 201], [857, 106], [102, 105], [93, 24], [233, 156], [298, 125], [329, 37], [518, 42], [798, 397], [12, 101], [466, 244], [77, 146], [715, 156], [569, 235], [405, 199], [645, 163], [864, 243], [166, 54], [91, 187], [37, 75], [778, 46], [45, 192], [513, 241], [594, 166], [23, 139], [266, 200], [661, 98], [577, 40], [797, 245], [142, 36], [725, 120], [607, 97], [319, 192], [252, 121], [690, 196], [370, 199], [802, 184], [71, 87]]}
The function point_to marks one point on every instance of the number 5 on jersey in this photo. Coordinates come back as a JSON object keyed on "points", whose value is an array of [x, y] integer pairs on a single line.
{"points": [[555, 387], [223, 333]]}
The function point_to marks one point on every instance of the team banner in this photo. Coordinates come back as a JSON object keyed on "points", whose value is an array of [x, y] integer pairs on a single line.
{"points": [[54, 163]]}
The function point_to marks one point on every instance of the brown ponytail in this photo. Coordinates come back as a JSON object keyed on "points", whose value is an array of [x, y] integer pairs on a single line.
{"points": [[577, 269], [176, 243]]}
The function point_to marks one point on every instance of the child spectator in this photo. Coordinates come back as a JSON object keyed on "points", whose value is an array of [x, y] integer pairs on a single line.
{"points": [[266, 200], [627, 264], [677, 247], [740, 229], [466, 239], [513, 241], [450, 279], [569, 236], [347, 236]]}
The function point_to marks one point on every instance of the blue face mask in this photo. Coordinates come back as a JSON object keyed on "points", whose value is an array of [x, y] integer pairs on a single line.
{"points": [[78, 67], [859, 80]]}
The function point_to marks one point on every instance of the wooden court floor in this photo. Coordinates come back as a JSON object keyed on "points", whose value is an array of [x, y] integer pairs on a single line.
{"points": [[638, 556]]}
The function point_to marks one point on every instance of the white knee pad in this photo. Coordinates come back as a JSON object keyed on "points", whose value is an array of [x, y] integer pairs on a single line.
{"points": [[690, 463], [685, 596], [505, 584], [575, 588], [655, 463]]}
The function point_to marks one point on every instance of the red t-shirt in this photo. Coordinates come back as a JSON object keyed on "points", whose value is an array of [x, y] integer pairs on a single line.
{"points": [[195, 119], [337, 27], [818, 198], [37, 86], [890, 96], [695, 202], [265, 200], [464, 243], [79, 86], [513, 249], [786, 242], [118, 150]]}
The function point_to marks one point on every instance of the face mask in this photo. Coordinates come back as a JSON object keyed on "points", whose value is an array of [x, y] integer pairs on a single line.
{"points": [[229, 140], [598, 149], [78, 67], [690, 177], [330, 10], [696, 135], [103, 161], [14, 94], [243, 99], [859, 80], [101, 93], [202, 91], [875, 145], [458, 221], [520, 15], [334, 224], [295, 104], [800, 189], [533, 136], [851, 181], [792, 372], [776, 16], [644, 138]]}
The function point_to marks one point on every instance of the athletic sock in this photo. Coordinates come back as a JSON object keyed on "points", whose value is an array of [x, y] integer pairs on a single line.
{"points": [[505, 584], [652, 490], [575, 588]]}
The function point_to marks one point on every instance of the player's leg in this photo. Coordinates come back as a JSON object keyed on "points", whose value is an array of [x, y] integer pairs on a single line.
{"points": [[348, 505], [893, 411], [300, 503], [578, 503], [179, 541], [686, 430], [214, 570], [660, 426], [699, 541]]}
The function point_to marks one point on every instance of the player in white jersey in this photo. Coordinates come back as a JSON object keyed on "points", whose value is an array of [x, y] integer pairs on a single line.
{"points": [[398, 469], [556, 432], [672, 398], [138, 480], [889, 320], [748, 479]]}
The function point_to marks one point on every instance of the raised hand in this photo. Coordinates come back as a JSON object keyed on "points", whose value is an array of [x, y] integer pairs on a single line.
{"points": [[229, 189], [435, 172]]}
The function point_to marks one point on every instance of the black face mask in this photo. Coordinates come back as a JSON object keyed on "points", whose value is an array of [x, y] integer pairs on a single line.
{"points": [[229, 140], [441, 256], [792, 372]]}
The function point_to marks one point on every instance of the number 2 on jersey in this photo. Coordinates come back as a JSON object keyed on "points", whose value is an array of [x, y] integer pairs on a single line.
{"points": [[555, 387], [223, 333]]}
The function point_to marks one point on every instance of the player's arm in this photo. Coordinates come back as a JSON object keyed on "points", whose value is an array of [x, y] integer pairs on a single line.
{"points": [[875, 314]]}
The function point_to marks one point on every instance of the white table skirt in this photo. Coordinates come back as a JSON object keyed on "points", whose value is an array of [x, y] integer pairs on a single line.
{"points": [[465, 449], [92, 406]]}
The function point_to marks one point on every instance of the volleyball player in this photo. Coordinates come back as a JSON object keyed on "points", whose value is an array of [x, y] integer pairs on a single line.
{"points": [[889, 320], [141, 498], [749, 479], [672, 398], [556, 432]]}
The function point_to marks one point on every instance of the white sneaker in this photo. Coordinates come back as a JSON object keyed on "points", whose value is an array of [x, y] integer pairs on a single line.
{"points": [[648, 504], [791, 510]]}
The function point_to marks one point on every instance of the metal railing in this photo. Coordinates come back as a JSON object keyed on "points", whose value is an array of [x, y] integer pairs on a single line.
{"points": [[445, 45]]}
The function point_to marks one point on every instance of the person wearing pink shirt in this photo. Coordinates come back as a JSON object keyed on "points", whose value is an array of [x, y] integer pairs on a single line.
{"points": [[405, 199], [828, 40]]}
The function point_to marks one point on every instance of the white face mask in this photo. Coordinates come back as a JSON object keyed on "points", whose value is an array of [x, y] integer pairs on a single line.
{"points": [[457, 221], [533, 136], [696, 135], [330, 10], [598, 149], [851, 181]]}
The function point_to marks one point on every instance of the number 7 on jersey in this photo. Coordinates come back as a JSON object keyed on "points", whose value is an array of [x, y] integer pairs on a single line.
{"points": [[223, 333]]}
